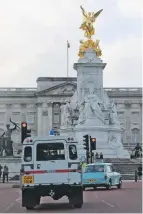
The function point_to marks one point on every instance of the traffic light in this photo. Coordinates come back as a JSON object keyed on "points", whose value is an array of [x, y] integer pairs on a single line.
{"points": [[86, 144], [88, 157], [93, 143], [139, 171], [24, 131]]}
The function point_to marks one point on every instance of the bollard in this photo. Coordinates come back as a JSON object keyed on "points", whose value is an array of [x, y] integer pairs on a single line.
{"points": [[136, 176]]}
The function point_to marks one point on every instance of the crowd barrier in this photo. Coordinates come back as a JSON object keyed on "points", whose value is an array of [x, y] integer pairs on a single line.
{"points": [[15, 176]]}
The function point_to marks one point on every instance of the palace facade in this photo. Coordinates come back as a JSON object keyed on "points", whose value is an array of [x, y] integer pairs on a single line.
{"points": [[41, 106]]}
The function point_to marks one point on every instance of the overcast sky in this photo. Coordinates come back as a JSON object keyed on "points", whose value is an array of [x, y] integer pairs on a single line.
{"points": [[33, 35]]}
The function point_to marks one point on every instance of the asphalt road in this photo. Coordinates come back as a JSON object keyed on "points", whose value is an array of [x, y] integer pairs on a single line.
{"points": [[125, 200]]}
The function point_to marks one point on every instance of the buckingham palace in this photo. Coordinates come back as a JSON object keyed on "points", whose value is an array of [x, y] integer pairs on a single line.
{"points": [[42, 107]]}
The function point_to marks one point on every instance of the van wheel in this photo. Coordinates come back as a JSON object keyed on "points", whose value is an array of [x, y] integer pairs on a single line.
{"points": [[109, 185], [29, 207], [76, 197], [78, 205], [120, 184]]}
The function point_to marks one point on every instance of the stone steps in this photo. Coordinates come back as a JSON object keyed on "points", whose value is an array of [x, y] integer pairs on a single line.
{"points": [[128, 177], [126, 167]]}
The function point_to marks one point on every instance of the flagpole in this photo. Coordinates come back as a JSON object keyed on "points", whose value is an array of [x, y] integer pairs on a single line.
{"points": [[67, 59]]}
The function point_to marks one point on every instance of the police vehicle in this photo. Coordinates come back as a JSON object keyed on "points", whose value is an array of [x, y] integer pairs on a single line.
{"points": [[50, 167]]}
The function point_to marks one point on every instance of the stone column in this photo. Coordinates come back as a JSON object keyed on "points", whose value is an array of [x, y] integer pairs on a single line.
{"points": [[39, 118], [8, 113], [45, 129], [89, 75], [50, 116], [62, 114], [23, 112]]}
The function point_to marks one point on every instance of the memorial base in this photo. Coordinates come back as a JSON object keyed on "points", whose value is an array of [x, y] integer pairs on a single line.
{"points": [[108, 140]]}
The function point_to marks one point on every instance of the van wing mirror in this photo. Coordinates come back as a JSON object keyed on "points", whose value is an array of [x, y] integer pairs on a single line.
{"points": [[22, 170]]}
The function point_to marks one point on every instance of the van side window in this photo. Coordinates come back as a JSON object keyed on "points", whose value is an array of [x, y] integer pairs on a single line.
{"points": [[72, 152], [28, 154], [109, 169]]}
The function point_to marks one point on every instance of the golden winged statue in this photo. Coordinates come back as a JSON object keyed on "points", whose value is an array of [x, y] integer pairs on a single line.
{"points": [[88, 20]]}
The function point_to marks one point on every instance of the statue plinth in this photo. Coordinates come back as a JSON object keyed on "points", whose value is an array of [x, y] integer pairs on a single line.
{"points": [[97, 114]]}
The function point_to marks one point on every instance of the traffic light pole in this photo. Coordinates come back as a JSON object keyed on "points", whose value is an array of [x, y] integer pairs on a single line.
{"points": [[90, 151]]}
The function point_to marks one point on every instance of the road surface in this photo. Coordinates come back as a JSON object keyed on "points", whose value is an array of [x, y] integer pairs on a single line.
{"points": [[125, 200]]}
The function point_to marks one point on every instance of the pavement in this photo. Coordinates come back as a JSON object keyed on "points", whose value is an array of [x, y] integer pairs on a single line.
{"points": [[125, 200]]}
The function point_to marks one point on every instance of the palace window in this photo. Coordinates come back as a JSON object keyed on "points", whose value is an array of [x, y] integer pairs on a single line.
{"points": [[121, 116], [86, 91], [31, 117], [122, 136], [56, 115], [135, 117], [2, 117], [16, 117], [135, 136]]}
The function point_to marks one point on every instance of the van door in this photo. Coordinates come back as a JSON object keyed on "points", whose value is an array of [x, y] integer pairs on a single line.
{"points": [[75, 175], [27, 166], [51, 164], [94, 173]]}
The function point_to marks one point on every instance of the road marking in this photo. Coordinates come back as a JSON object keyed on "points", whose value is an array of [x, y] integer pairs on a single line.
{"points": [[18, 199], [107, 203], [8, 207]]}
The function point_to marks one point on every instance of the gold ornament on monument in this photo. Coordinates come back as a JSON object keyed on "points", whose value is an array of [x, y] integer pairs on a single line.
{"points": [[88, 20]]}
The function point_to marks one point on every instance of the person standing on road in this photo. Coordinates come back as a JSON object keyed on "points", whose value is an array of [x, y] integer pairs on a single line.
{"points": [[0, 172], [5, 173], [101, 156], [96, 156]]}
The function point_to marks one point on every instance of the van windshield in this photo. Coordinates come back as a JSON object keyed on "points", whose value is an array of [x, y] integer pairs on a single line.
{"points": [[50, 151], [94, 168]]}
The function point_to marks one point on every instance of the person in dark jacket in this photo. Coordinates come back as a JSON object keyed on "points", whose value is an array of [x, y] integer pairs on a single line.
{"points": [[138, 150], [101, 156], [0, 171], [96, 156], [5, 173]]}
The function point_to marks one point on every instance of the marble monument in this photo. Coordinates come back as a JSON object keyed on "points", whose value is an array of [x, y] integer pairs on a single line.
{"points": [[90, 111]]}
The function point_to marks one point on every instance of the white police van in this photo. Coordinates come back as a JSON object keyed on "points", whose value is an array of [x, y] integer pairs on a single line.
{"points": [[50, 167]]}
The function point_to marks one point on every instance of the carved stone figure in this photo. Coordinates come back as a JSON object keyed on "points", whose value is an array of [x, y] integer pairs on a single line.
{"points": [[112, 141], [6, 142], [91, 107], [82, 117], [113, 117], [67, 114], [68, 89], [96, 106]]}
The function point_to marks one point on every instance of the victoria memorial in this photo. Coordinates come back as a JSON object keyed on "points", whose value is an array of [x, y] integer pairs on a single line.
{"points": [[42, 107]]}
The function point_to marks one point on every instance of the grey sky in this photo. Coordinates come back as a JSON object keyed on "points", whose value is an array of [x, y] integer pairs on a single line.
{"points": [[33, 35]]}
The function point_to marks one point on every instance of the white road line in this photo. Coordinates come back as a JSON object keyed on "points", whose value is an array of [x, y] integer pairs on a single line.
{"points": [[8, 207], [107, 203], [18, 199], [111, 205]]}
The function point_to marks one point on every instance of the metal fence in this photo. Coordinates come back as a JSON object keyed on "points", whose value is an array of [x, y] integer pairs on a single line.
{"points": [[15, 176]]}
